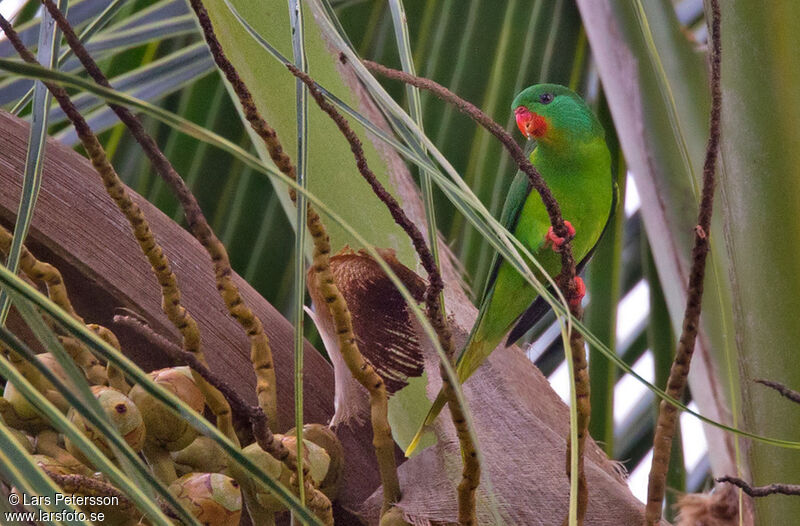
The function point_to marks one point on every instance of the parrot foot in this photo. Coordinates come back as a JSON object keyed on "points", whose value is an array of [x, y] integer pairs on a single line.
{"points": [[580, 292], [552, 240]]}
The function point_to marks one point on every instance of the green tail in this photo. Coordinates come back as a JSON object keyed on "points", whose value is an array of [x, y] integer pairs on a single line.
{"points": [[432, 414], [464, 370], [495, 319]]}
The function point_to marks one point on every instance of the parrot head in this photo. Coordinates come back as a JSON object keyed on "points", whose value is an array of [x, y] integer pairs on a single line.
{"points": [[553, 114]]}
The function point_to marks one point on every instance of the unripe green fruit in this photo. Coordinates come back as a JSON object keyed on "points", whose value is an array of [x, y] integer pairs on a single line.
{"points": [[324, 437], [272, 467], [315, 457], [25, 415], [214, 499], [124, 416], [165, 429], [202, 455]]}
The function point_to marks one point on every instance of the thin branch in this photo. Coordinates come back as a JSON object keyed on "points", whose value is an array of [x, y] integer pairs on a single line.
{"points": [[791, 394], [86, 485], [49, 276], [524, 164], [261, 354], [491, 126], [176, 313], [360, 368], [435, 282], [253, 413], [762, 491], [668, 414], [471, 468], [566, 278]]}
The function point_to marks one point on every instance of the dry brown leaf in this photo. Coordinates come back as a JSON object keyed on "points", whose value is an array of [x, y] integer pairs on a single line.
{"points": [[382, 324]]}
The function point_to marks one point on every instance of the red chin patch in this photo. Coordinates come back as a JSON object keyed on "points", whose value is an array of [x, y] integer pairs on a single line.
{"points": [[532, 125]]}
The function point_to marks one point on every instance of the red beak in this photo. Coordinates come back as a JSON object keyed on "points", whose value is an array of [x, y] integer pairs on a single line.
{"points": [[532, 125]]}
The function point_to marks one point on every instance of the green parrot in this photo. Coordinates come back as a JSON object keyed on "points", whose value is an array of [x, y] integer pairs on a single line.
{"points": [[570, 152]]}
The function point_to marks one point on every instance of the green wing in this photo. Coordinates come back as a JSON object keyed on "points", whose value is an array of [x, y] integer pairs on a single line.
{"points": [[539, 307], [509, 217]]}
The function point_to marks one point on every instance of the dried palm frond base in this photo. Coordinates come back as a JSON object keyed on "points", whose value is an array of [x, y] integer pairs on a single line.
{"points": [[383, 325], [717, 508]]}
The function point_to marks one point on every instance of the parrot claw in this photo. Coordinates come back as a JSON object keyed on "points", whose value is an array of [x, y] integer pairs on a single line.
{"points": [[552, 240], [580, 292]]}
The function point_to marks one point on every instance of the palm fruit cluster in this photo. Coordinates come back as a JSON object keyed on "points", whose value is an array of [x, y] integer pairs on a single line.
{"points": [[193, 467]]}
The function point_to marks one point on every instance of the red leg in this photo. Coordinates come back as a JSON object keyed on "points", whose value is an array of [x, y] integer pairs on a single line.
{"points": [[552, 240], [580, 292]]}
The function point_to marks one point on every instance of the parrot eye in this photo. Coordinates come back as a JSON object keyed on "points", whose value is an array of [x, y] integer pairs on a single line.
{"points": [[546, 98]]}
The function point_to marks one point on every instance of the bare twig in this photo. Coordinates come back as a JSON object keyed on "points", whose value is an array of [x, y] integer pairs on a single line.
{"points": [[176, 313], [159, 262], [665, 428], [791, 394], [762, 491], [435, 283], [471, 470], [86, 485], [566, 277], [254, 413], [261, 355], [48, 275], [360, 368], [524, 164]]}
